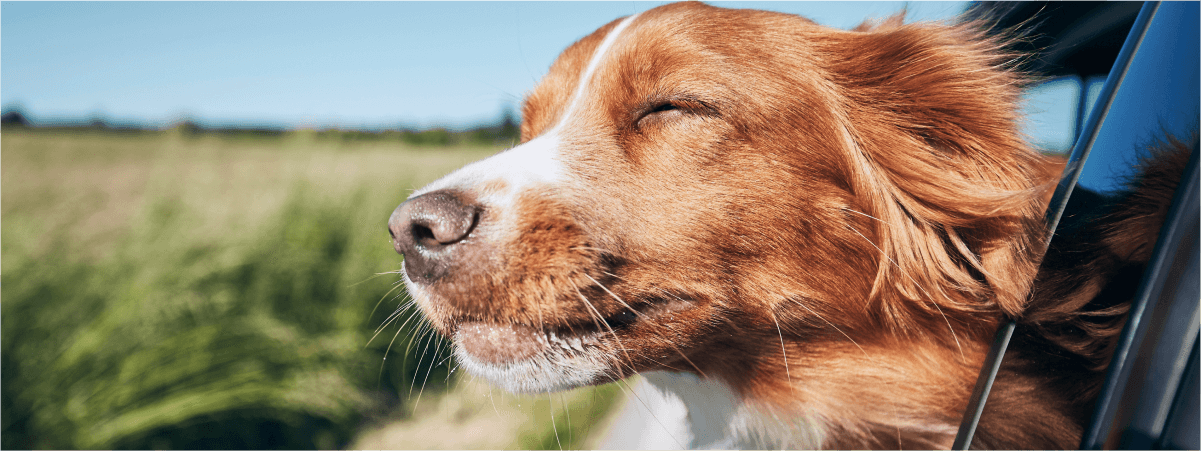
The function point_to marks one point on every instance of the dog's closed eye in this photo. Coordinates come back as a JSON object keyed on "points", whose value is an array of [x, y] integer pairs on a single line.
{"points": [[658, 113], [666, 106], [662, 111]]}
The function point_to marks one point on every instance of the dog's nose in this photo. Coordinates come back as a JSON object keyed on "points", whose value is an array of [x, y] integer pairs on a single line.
{"points": [[429, 230]]}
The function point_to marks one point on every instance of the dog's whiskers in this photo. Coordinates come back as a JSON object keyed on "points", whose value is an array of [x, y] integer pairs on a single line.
{"points": [[388, 321], [852, 210], [437, 343], [615, 297], [567, 412], [372, 278], [629, 391], [597, 318], [552, 420], [425, 349], [844, 334], [381, 301], [405, 307], [391, 316], [787, 371], [643, 316]]}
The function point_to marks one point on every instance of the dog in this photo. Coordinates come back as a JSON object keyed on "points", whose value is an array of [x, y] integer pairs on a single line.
{"points": [[807, 236]]}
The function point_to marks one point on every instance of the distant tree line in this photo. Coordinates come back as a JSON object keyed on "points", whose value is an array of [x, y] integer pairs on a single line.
{"points": [[504, 131], [14, 117]]}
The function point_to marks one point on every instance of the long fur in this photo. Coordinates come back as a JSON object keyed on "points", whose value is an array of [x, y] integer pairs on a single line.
{"points": [[831, 224]]}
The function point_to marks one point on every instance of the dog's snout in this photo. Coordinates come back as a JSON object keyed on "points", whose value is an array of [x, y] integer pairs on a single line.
{"points": [[435, 219], [429, 229]]}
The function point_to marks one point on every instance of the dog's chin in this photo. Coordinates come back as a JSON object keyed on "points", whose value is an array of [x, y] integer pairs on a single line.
{"points": [[523, 358], [553, 369]]}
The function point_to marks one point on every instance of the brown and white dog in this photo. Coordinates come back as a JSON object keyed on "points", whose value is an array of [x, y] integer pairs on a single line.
{"points": [[807, 236]]}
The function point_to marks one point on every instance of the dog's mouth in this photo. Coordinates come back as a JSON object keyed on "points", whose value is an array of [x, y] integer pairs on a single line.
{"points": [[505, 343]]}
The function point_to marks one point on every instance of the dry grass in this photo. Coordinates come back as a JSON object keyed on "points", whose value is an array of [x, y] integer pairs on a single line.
{"points": [[91, 185], [476, 415]]}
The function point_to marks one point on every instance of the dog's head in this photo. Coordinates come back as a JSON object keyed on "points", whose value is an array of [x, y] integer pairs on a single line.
{"points": [[696, 183]]}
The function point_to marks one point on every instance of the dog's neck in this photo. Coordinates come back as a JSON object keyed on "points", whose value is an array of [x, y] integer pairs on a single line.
{"points": [[881, 395], [682, 410], [877, 404], [882, 403]]}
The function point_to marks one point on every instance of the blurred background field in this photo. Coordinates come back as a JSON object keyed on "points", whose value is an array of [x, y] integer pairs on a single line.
{"points": [[193, 289]]}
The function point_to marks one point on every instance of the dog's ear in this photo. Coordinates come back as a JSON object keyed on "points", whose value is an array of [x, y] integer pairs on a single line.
{"points": [[931, 119]]}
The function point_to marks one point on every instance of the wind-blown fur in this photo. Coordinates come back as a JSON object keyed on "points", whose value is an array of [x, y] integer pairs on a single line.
{"points": [[829, 224]]}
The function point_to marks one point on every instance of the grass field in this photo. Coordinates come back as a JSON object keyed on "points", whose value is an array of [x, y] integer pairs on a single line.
{"points": [[169, 290]]}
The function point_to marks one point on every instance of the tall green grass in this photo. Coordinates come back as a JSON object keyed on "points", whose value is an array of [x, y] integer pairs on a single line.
{"points": [[166, 291], [181, 290]]}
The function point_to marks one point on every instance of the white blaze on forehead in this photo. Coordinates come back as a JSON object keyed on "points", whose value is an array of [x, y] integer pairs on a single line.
{"points": [[597, 56], [535, 162]]}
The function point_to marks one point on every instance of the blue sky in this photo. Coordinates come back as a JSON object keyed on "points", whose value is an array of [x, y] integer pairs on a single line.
{"points": [[320, 64]]}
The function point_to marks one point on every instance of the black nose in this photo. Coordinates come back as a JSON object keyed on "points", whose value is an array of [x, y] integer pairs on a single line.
{"points": [[430, 230]]}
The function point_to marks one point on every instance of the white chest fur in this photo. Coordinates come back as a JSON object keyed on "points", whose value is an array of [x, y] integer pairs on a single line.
{"points": [[674, 411]]}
